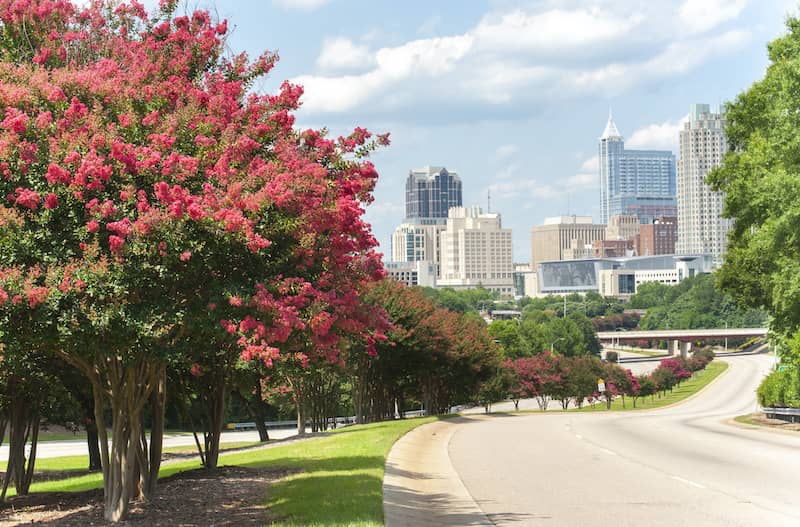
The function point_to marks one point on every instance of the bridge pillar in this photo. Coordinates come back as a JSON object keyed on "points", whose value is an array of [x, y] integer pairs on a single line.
{"points": [[685, 348], [673, 346]]}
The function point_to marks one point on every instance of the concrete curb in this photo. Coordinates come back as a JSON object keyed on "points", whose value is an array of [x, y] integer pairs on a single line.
{"points": [[420, 486]]}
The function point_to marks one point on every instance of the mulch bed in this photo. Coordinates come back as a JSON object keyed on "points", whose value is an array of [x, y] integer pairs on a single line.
{"points": [[227, 497]]}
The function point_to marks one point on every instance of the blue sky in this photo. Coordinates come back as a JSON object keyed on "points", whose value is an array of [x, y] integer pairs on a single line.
{"points": [[510, 94]]}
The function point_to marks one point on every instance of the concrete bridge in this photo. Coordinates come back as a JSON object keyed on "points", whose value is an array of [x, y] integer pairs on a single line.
{"points": [[680, 340]]}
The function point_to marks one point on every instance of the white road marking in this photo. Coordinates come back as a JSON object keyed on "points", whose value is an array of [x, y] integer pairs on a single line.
{"points": [[607, 451], [579, 436], [688, 482]]}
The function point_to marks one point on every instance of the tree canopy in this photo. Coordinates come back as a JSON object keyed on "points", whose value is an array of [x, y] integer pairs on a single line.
{"points": [[760, 176]]}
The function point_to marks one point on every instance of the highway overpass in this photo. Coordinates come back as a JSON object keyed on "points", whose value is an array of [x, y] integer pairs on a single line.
{"points": [[680, 339]]}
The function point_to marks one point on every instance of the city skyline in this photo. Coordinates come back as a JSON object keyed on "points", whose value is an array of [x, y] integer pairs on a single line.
{"points": [[509, 95]]}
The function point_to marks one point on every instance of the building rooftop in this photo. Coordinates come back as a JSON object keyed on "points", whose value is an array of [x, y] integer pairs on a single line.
{"points": [[611, 131]]}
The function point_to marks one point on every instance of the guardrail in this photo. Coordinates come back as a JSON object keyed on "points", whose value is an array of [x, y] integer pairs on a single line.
{"points": [[791, 415], [340, 421]]}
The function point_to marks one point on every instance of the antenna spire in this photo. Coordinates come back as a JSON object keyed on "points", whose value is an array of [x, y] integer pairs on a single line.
{"points": [[489, 200]]}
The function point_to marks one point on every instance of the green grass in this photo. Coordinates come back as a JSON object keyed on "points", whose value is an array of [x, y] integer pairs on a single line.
{"points": [[647, 353], [687, 388], [746, 419], [339, 480], [79, 463]]}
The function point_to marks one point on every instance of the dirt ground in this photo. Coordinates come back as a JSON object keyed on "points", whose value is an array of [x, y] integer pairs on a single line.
{"points": [[228, 497], [761, 420]]}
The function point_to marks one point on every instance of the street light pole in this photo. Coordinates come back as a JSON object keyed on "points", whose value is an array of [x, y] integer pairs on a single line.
{"points": [[553, 344]]}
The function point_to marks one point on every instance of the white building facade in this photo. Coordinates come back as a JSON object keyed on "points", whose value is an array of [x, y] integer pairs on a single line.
{"points": [[476, 251], [701, 227], [414, 242]]}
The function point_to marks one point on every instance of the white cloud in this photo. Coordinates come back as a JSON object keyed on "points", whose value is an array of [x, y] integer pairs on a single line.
{"points": [[425, 58], [304, 5], [342, 54], [506, 172], [553, 30], [505, 151], [587, 178], [583, 181], [518, 56], [591, 165], [702, 15], [658, 136]]}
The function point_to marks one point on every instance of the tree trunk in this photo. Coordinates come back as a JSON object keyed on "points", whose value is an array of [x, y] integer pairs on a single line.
{"points": [[157, 404], [93, 443], [257, 412], [24, 425], [3, 424], [216, 414]]}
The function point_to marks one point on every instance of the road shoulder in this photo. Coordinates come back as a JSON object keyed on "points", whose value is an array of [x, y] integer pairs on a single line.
{"points": [[420, 486]]}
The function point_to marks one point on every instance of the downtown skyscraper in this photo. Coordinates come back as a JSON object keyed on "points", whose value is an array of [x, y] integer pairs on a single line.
{"points": [[430, 192], [701, 227], [640, 182]]}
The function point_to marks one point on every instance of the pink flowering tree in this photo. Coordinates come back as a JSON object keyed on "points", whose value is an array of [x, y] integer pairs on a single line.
{"points": [[149, 196]]}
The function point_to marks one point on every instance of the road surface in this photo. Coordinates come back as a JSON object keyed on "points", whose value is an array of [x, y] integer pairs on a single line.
{"points": [[676, 466], [49, 449]]}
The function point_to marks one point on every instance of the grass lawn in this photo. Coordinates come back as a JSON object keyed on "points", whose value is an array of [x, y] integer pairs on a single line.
{"points": [[339, 480], [746, 420], [646, 353], [79, 463], [687, 388]]}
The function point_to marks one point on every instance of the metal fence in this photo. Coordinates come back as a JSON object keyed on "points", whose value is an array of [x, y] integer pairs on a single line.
{"points": [[791, 415]]}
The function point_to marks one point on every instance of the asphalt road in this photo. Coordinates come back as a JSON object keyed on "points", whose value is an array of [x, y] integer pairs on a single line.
{"points": [[49, 449], [678, 466]]}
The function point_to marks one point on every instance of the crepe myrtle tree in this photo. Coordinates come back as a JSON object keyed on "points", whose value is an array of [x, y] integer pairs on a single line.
{"points": [[143, 184]]}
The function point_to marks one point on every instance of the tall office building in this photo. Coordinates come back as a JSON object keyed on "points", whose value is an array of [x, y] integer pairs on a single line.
{"points": [[561, 235], [430, 192], [476, 250], [701, 227], [640, 182]]}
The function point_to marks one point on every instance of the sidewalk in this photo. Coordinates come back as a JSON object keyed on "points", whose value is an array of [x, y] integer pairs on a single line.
{"points": [[420, 487]]}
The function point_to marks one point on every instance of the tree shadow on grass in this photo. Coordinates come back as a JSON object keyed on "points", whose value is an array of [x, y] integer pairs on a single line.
{"points": [[340, 464], [327, 499]]}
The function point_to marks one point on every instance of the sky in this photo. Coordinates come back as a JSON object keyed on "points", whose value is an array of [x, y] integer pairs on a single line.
{"points": [[512, 95]]}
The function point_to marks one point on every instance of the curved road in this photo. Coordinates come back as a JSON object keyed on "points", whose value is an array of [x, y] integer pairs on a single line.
{"points": [[679, 466]]}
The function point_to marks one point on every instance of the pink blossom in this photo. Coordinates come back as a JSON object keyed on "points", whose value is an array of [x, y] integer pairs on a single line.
{"points": [[186, 256], [51, 201], [115, 244], [28, 198]]}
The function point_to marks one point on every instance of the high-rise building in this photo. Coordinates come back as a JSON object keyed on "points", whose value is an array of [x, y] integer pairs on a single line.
{"points": [[640, 182], [430, 192], [554, 239], [658, 237], [701, 227], [415, 242], [476, 251]]}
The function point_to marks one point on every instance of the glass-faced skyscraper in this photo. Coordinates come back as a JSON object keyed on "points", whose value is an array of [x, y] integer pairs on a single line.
{"points": [[430, 192], [640, 182]]}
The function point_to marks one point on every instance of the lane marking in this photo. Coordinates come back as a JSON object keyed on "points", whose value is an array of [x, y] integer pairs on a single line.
{"points": [[579, 436], [607, 451], [688, 482]]}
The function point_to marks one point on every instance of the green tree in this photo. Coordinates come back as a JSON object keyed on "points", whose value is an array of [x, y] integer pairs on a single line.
{"points": [[761, 180]]}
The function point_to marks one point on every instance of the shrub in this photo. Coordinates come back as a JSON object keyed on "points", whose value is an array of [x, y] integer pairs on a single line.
{"points": [[612, 356]]}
